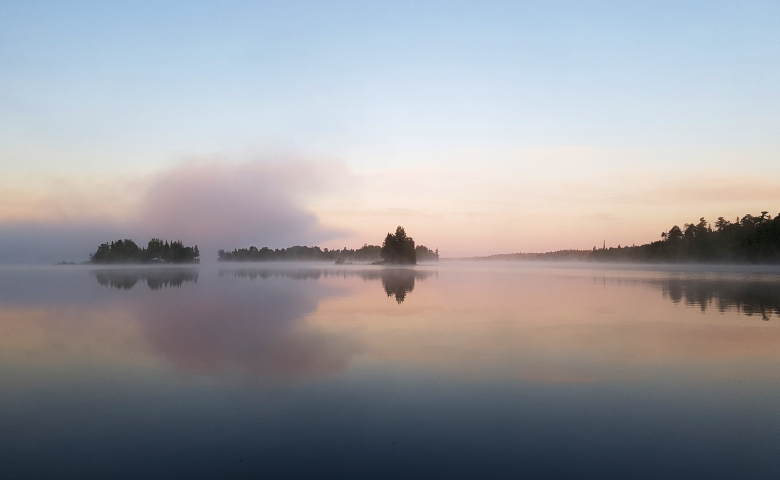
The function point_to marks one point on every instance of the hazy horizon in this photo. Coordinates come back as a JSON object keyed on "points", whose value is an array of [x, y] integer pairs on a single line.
{"points": [[472, 129], [482, 129]]}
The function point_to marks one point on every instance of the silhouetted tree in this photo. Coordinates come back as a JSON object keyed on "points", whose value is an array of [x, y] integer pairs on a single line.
{"points": [[398, 248], [674, 234]]}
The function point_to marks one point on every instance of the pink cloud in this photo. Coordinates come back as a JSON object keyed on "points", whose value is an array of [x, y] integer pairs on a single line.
{"points": [[214, 205]]}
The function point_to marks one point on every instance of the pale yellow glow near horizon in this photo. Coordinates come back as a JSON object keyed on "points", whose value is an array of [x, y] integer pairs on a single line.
{"points": [[550, 203], [527, 201]]}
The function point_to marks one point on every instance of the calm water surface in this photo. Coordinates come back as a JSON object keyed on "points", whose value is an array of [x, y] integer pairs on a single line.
{"points": [[452, 371]]}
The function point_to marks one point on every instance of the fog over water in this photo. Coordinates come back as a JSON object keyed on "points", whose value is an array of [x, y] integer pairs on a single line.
{"points": [[457, 370], [146, 147], [205, 203]]}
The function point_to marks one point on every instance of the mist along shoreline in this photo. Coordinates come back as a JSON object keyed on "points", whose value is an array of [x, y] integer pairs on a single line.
{"points": [[444, 263], [397, 249], [157, 251], [749, 240], [507, 258], [543, 258]]}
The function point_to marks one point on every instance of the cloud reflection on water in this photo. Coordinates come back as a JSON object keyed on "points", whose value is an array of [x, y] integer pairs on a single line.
{"points": [[209, 326], [308, 322], [259, 331]]}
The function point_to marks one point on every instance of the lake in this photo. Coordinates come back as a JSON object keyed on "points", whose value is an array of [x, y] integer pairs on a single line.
{"points": [[455, 370]]}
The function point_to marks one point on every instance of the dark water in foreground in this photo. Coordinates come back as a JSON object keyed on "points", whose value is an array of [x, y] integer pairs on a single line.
{"points": [[455, 371]]}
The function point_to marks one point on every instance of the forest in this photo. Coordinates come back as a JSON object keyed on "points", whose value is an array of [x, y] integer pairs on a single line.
{"points": [[395, 249], [750, 239], [364, 254], [156, 251]]}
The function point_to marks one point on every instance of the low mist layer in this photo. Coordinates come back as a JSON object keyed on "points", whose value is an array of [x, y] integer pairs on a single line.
{"points": [[208, 204]]}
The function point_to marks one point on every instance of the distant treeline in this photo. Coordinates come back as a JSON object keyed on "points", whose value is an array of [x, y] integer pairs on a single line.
{"points": [[364, 254], [156, 251], [752, 239]]}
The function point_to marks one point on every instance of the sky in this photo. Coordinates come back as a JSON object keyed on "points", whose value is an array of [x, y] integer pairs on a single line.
{"points": [[481, 127]]}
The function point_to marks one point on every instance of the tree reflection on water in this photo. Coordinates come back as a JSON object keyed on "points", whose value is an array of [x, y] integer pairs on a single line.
{"points": [[747, 297], [398, 282], [125, 279]]}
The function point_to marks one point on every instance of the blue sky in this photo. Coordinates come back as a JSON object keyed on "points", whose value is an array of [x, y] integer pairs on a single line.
{"points": [[110, 88]]}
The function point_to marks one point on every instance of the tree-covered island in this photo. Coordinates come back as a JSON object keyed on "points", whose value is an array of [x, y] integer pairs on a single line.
{"points": [[391, 252], [398, 249], [365, 254], [156, 251]]}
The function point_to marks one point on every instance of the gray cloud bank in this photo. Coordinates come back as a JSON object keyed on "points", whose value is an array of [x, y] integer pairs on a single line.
{"points": [[214, 205]]}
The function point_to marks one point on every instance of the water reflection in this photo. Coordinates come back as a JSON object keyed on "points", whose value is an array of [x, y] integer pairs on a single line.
{"points": [[747, 297], [207, 324], [125, 279], [398, 282], [295, 274], [314, 372], [230, 326]]}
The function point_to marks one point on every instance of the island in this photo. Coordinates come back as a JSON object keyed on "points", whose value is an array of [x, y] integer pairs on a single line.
{"points": [[397, 248], [156, 251]]}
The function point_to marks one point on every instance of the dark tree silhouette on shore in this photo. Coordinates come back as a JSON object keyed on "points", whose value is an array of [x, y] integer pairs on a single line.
{"points": [[752, 239], [398, 248], [364, 254], [425, 254], [156, 251]]}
